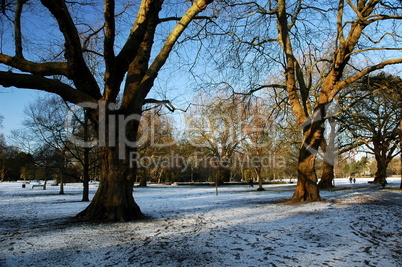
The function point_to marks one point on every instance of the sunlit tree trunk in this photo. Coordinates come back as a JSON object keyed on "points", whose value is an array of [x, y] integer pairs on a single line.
{"points": [[307, 188], [299, 93], [327, 176]]}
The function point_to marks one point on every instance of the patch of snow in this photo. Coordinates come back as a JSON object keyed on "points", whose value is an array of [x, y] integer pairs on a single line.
{"points": [[357, 225]]}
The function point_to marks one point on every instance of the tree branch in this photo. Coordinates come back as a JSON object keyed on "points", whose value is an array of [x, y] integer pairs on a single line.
{"points": [[46, 69], [152, 72], [339, 19], [110, 32], [364, 72], [375, 49], [179, 18], [161, 58], [382, 37], [80, 73], [38, 82], [252, 91], [166, 103], [147, 10], [108, 45], [17, 28]]}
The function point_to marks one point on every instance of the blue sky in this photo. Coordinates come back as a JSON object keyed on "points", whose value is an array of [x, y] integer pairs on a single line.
{"points": [[13, 100], [172, 83], [12, 105]]}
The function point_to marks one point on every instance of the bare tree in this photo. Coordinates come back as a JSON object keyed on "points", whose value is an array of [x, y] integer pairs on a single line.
{"points": [[129, 73], [261, 142], [217, 126], [350, 30], [156, 152], [47, 118], [316, 68], [373, 119]]}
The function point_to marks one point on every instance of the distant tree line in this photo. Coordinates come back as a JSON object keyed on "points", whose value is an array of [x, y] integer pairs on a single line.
{"points": [[226, 138]]}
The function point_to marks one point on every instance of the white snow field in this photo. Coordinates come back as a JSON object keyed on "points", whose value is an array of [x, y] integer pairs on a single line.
{"points": [[357, 225]]}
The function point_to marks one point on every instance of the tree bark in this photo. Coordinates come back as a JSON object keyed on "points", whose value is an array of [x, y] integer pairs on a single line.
{"points": [[327, 176], [220, 175], [143, 179], [381, 173], [382, 157], [114, 199], [307, 188]]}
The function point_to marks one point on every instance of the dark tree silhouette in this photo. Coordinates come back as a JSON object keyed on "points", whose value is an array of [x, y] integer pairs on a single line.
{"points": [[129, 70]]}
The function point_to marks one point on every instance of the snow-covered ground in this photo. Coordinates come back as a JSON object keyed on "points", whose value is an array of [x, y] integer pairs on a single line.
{"points": [[358, 225]]}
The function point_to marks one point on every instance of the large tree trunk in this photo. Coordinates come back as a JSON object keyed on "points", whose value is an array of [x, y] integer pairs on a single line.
{"points": [[381, 173], [327, 176], [307, 188], [114, 199]]}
